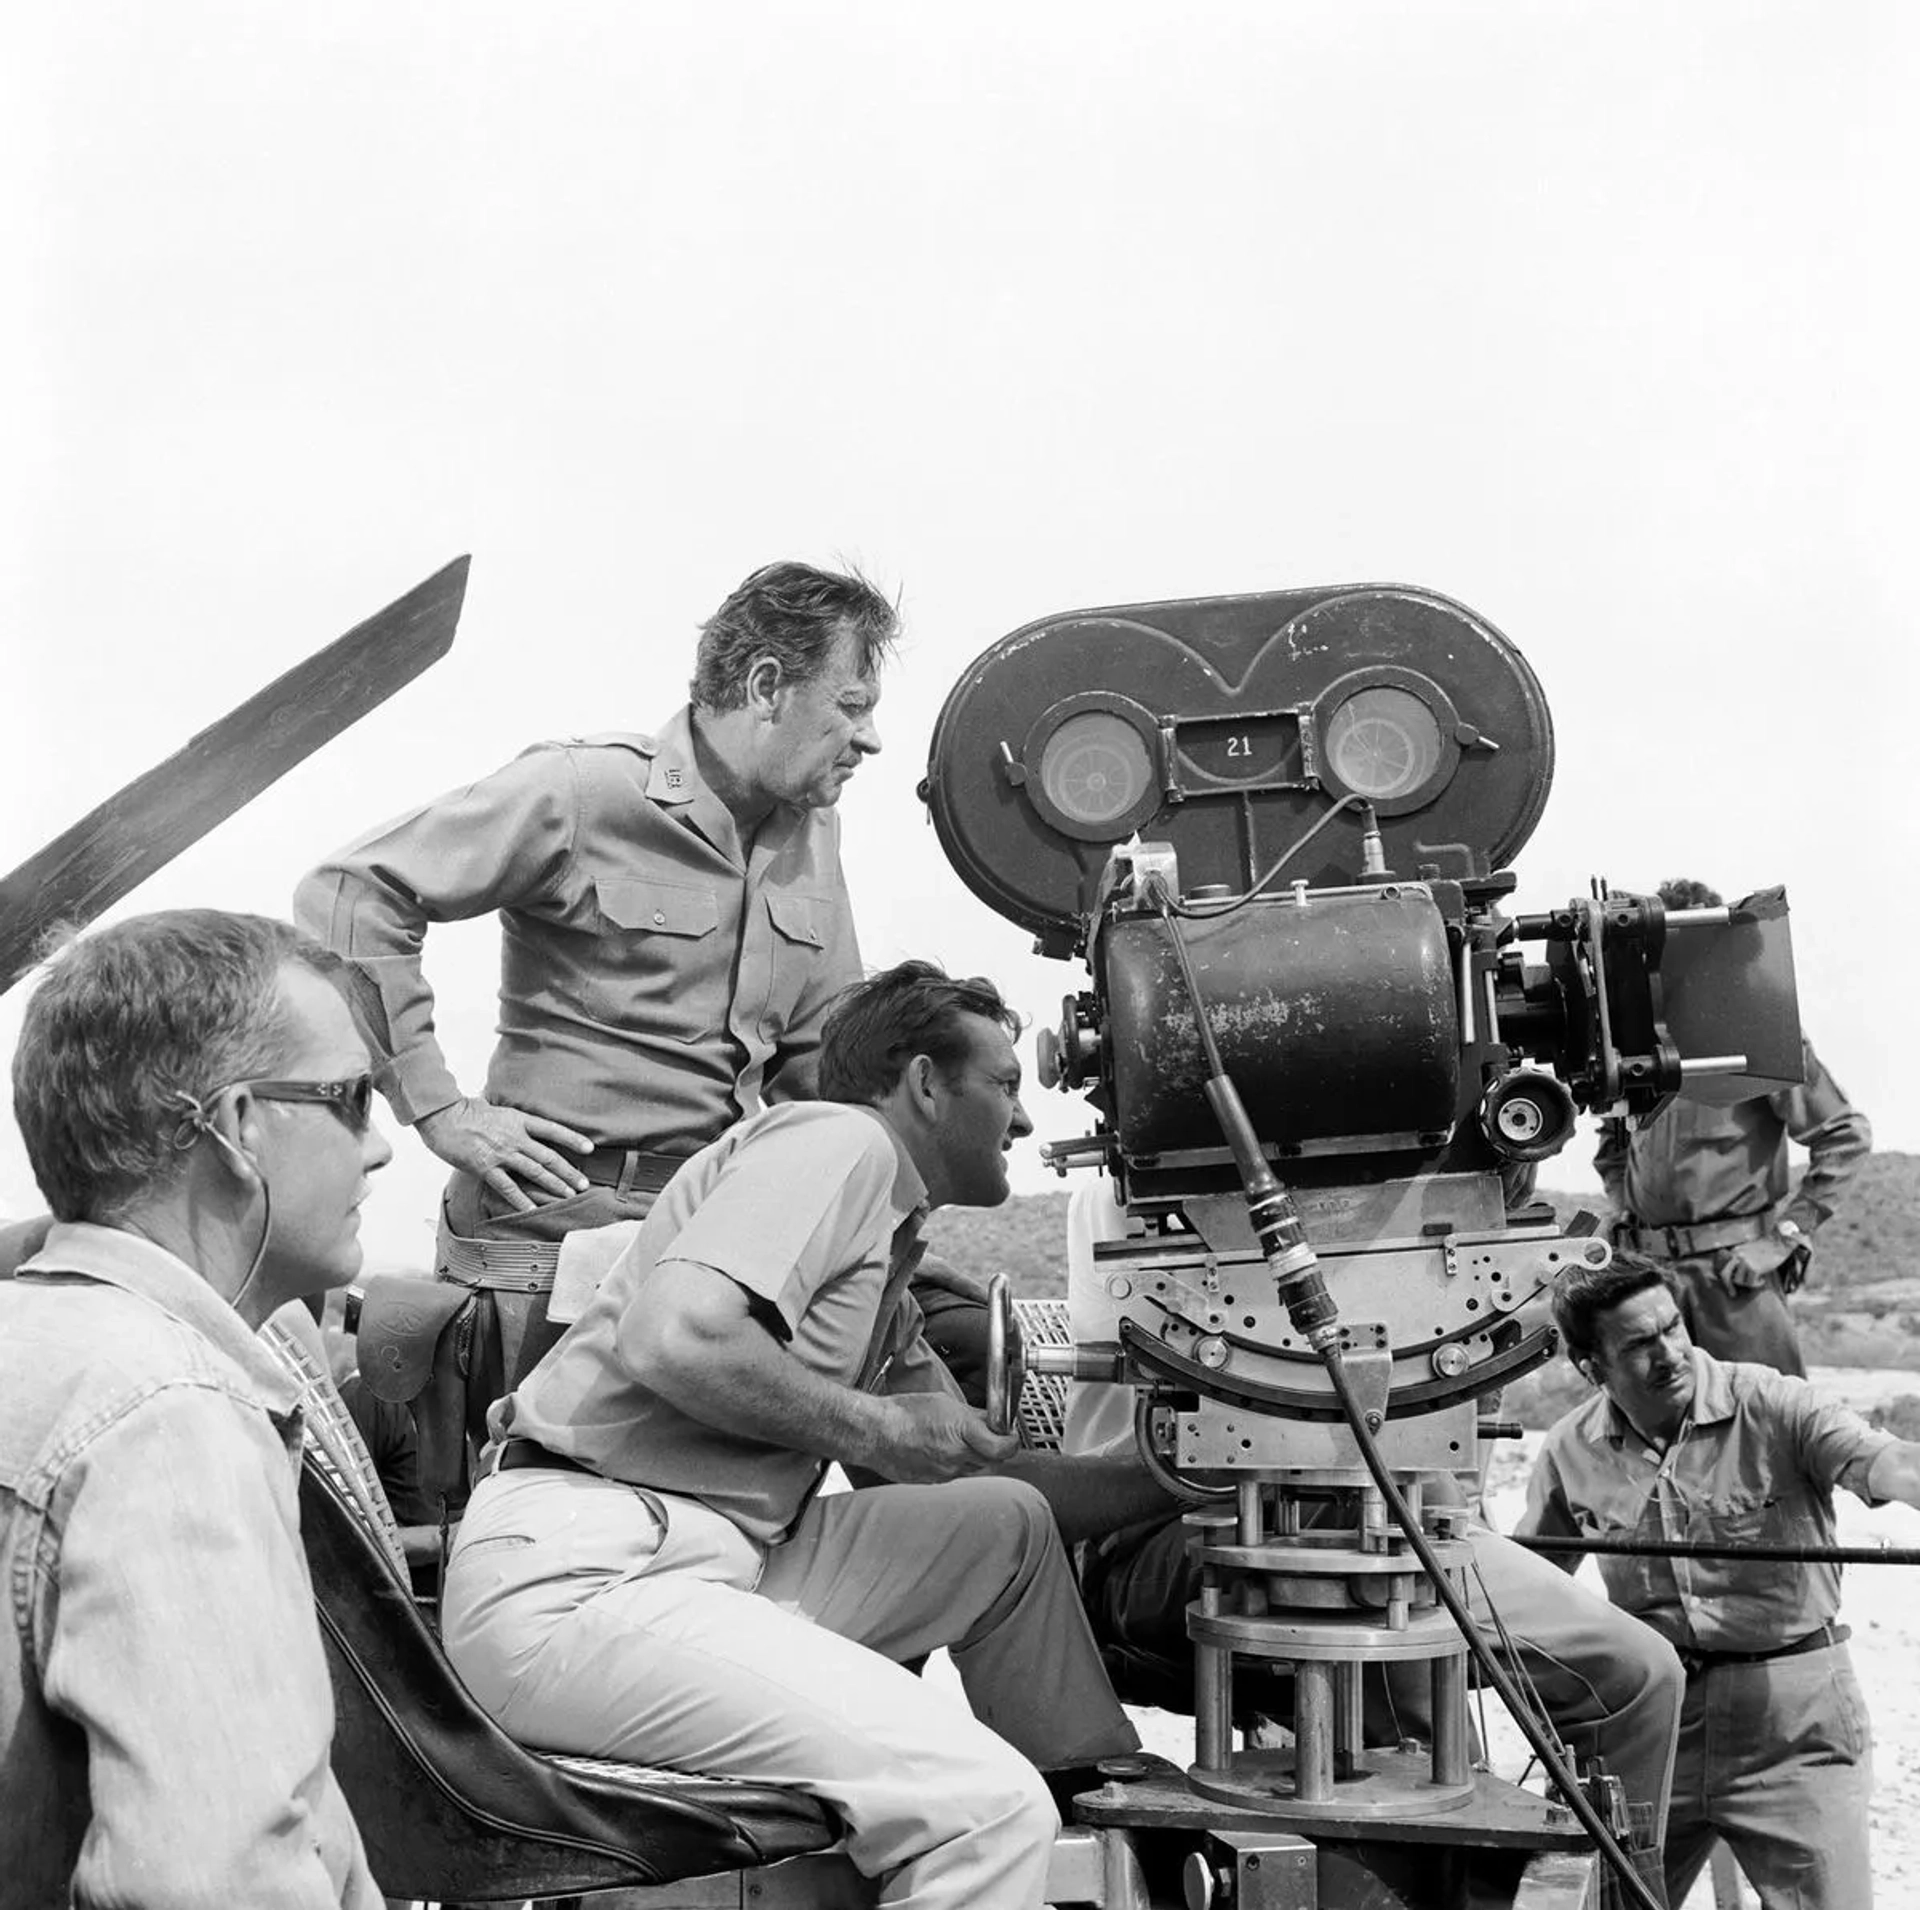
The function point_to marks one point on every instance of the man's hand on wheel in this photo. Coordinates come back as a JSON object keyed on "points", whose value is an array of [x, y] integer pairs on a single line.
{"points": [[503, 1147], [931, 1438]]}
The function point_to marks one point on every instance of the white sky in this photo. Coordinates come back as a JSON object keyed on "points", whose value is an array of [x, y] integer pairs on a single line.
{"points": [[1600, 318]]}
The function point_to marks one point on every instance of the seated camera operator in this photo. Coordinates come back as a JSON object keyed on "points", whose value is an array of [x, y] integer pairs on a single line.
{"points": [[649, 1570], [1611, 1686], [194, 1100]]}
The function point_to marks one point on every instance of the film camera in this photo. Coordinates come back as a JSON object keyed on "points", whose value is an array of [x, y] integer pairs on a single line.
{"points": [[1325, 1060]]}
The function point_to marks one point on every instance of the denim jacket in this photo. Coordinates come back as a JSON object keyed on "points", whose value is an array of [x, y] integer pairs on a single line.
{"points": [[165, 1710]]}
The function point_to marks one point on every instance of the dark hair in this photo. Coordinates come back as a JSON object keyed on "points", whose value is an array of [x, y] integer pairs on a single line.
{"points": [[877, 1026], [128, 1020], [1683, 892], [1583, 1294], [792, 613]]}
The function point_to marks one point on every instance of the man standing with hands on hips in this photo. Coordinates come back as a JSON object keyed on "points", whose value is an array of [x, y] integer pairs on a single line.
{"points": [[1704, 1190], [674, 922]]}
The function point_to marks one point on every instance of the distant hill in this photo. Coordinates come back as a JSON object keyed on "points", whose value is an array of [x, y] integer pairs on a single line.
{"points": [[1861, 1306], [1874, 1238]]}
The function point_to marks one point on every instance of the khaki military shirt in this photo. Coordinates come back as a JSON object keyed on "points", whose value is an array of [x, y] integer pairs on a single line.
{"points": [[658, 978], [815, 1210], [1756, 1463], [1694, 1163]]}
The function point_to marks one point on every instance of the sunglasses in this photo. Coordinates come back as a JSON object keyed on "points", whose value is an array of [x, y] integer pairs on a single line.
{"points": [[351, 1099]]}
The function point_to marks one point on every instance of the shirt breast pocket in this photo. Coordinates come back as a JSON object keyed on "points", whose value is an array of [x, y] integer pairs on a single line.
{"points": [[798, 956], [1739, 1519], [665, 962]]}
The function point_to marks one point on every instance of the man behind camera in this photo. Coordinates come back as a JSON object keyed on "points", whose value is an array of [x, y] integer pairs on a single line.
{"points": [[1704, 1190], [194, 1100]]}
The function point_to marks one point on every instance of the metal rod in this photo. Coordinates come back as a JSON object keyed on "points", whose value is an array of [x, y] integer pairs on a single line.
{"points": [[1713, 1064], [1349, 1728], [1213, 1707], [1692, 1549], [1313, 1711], [1252, 1525], [1450, 1762]]}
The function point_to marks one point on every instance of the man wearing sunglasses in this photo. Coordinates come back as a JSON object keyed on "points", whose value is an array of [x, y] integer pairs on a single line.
{"points": [[194, 1099], [674, 922]]}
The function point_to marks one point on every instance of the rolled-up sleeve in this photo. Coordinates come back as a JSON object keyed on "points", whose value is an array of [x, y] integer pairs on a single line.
{"points": [[183, 1643], [503, 842], [778, 1220]]}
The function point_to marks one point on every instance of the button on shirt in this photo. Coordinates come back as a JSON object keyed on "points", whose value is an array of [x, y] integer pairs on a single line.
{"points": [[1755, 1464], [658, 980], [1693, 1162], [165, 1707], [815, 1211]]}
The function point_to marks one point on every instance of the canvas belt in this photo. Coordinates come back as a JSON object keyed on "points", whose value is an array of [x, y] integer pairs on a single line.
{"points": [[1705, 1236], [499, 1266], [527, 1266], [1696, 1662]]}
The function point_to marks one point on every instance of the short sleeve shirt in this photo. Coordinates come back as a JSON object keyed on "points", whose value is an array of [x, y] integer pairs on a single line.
{"points": [[814, 1210]]}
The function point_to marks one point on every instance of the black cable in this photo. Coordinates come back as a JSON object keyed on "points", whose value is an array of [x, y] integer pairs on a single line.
{"points": [[1508, 1692], [1203, 913], [1322, 1334]]}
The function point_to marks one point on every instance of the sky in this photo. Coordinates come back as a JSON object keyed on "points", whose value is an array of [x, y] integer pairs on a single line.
{"points": [[1598, 318]]}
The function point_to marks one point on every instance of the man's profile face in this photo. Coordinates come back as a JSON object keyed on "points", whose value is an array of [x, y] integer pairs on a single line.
{"points": [[1645, 1360], [981, 1116], [314, 1165], [823, 729]]}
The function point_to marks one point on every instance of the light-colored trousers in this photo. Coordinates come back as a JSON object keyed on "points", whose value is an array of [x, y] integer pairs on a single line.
{"points": [[600, 1619], [1777, 1760]]}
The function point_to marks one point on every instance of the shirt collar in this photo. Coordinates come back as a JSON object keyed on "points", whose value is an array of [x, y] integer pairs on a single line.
{"points": [[909, 1196], [675, 779], [137, 1266], [675, 783], [1713, 1399]]}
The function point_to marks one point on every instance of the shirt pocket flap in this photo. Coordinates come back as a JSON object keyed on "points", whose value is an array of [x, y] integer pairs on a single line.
{"points": [[799, 918], [666, 908]]}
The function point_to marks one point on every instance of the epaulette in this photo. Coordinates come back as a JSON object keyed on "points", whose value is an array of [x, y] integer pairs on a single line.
{"points": [[647, 746]]}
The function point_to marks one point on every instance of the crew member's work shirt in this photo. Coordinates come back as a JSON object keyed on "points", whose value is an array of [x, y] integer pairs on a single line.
{"points": [[815, 1211], [1694, 1163], [658, 978], [166, 1714], [1755, 1464]]}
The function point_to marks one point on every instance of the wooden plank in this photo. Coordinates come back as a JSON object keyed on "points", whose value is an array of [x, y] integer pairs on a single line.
{"points": [[110, 852]]}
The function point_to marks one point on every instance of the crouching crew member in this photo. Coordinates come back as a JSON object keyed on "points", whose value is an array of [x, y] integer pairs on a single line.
{"points": [[1774, 1738], [650, 1571]]}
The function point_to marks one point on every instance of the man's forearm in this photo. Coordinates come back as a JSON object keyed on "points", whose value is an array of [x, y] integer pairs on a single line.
{"points": [[742, 1382], [1895, 1474]]}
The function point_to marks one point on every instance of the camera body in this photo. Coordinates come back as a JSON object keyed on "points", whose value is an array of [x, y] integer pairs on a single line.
{"points": [[1277, 830]]}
